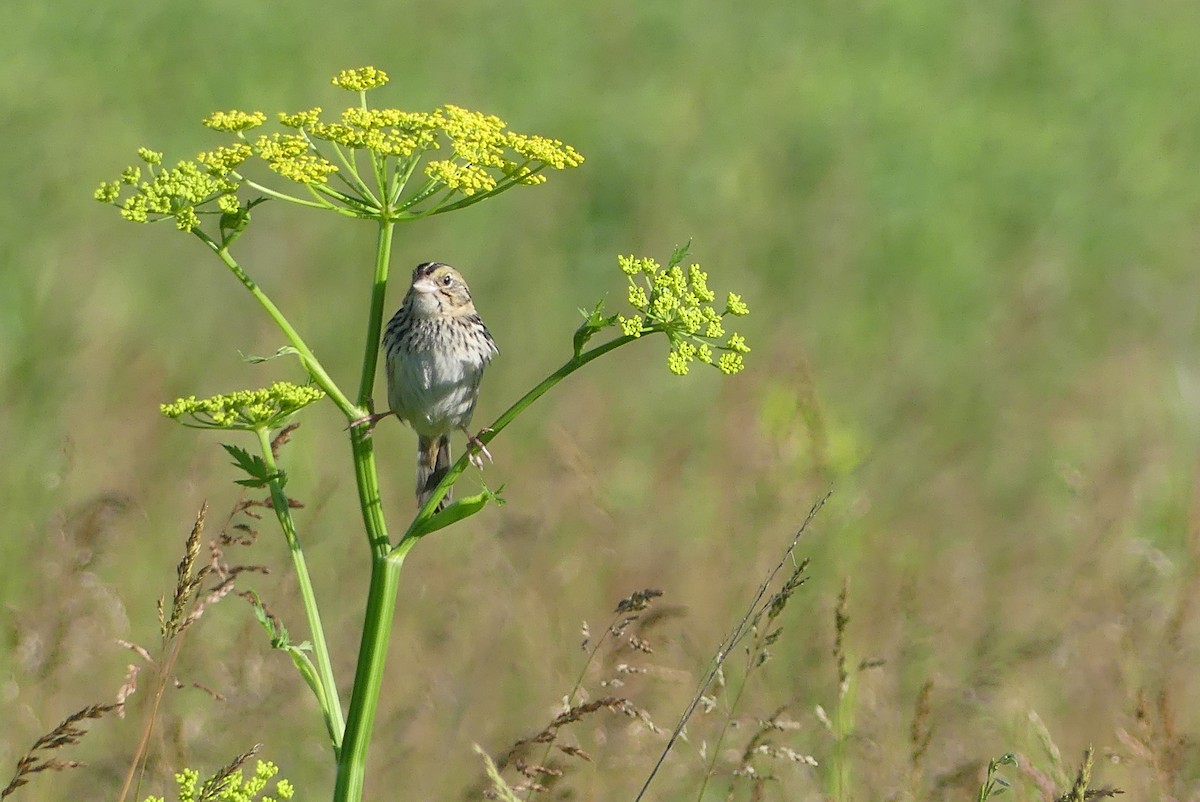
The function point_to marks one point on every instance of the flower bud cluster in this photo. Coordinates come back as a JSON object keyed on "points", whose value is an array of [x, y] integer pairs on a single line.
{"points": [[480, 157], [678, 302], [266, 408]]}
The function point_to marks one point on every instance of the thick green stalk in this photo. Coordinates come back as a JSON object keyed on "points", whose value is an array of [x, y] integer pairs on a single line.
{"points": [[365, 474], [368, 678], [385, 568], [383, 254], [331, 706], [366, 478]]}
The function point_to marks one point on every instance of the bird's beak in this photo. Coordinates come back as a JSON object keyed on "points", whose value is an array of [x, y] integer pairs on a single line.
{"points": [[424, 285]]}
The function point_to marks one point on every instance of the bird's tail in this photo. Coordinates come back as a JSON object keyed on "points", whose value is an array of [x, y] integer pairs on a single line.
{"points": [[433, 462]]}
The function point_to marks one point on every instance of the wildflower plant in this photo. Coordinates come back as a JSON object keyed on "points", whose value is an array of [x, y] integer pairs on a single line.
{"points": [[386, 166], [679, 304], [232, 786], [268, 408]]}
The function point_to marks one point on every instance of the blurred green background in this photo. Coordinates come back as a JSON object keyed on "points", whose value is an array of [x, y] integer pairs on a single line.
{"points": [[967, 233]]}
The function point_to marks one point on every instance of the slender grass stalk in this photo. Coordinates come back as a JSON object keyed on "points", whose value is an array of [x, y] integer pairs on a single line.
{"points": [[137, 767], [843, 726], [327, 695], [717, 748]]}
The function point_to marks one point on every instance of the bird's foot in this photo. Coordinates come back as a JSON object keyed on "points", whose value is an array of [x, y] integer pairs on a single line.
{"points": [[369, 421], [475, 448]]}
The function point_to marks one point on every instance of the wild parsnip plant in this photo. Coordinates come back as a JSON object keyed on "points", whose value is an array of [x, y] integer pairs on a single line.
{"points": [[230, 784], [386, 166]]}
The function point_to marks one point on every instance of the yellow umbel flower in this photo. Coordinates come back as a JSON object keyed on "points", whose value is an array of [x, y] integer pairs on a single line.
{"points": [[678, 302], [378, 152], [266, 408], [361, 79], [235, 121]]}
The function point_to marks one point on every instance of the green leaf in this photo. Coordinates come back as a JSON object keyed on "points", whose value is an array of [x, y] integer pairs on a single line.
{"points": [[234, 223], [458, 510], [280, 640], [679, 254], [593, 323], [253, 359], [256, 467], [275, 629]]}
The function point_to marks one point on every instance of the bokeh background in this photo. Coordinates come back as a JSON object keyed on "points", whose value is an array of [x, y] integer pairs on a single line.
{"points": [[968, 235]]}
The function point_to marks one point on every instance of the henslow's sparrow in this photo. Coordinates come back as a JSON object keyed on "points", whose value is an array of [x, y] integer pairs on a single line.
{"points": [[436, 347]]}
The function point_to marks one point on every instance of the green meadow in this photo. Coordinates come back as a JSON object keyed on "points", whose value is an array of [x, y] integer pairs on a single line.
{"points": [[968, 235]]}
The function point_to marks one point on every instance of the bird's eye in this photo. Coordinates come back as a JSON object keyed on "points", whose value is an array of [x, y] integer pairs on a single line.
{"points": [[447, 281]]}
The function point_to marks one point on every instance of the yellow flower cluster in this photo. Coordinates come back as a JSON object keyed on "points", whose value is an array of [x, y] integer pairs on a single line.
{"points": [[176, 192], [550, 152], [466, 178], [266, 408], [235, 122], [290, 156], [479, 142], [679, 303], [481, 157], [360, 80], [235, 788], [224, 160], [301, 119]]}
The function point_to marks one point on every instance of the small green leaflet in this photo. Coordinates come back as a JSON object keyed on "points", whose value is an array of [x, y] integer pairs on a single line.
{"points": [[254, 359], [256, 467], [593, 322]]}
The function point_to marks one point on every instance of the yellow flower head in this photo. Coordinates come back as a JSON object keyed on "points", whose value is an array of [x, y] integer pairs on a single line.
{"points": [[678, 302], [630, 326], [361, 79], [301, 119], [729, 364], [267, 408], [479, 157], [288, 155], [174, 193], [466, 178], [235, 121], [224, 160]]}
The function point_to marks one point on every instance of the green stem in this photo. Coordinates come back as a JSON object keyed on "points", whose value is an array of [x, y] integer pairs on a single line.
{"points": [[383, 253], [331, 706], [385, 567], [349, 162], [285, 197], [843, 725], [366, 478], [307, 358], [417, 528], [402, 175], [368, 678]]}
